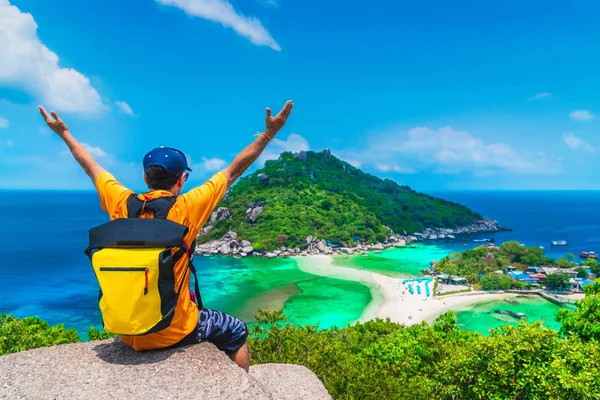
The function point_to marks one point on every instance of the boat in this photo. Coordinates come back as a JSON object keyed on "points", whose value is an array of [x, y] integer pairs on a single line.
{"points": [[513, 302], [410, 289], [427, 290], [512, 314], [588, 254], [559, 243], [482, 240], [414, 246], [418, 289]]}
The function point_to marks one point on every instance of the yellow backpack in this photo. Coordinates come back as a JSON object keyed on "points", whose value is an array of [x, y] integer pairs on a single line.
{"points": [[133, 260]]}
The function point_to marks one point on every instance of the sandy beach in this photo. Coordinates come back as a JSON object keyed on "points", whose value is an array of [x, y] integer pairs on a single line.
{"points": [[391, 298]]}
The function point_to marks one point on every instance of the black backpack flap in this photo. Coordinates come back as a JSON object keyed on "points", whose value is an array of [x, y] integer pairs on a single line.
{"points": [[139, 233]]}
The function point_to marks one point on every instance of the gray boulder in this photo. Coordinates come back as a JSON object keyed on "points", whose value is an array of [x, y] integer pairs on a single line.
{"points": [[206, 230], [245, 243], [221, 213], [290, 382], [253, 212], [110, 370], [301, 155], [230, 236], [247, 249], [322, 247], [263, 179], [225, 249]]}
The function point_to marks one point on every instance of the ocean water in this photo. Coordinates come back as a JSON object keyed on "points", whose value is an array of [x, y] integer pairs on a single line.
{"points": [[44, 272], [481, 317]]}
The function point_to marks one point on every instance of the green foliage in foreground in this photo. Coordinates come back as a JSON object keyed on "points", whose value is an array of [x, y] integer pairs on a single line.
{"points": [[30, 333], [584, 321], [384, 360], [18, 334], [330, 199]]}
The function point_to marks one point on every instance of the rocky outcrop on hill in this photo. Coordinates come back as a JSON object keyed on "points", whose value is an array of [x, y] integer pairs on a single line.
{"points": [[263, 179], [110, 370], [253, 212], [221, 213], [483, 226]]}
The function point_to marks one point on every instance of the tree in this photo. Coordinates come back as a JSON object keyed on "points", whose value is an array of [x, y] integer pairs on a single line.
{"points": [[581, 272], [495, 281], [558, 280], [584, 322], [512, 249], [564, 263], [533, 256], [593, 265]]}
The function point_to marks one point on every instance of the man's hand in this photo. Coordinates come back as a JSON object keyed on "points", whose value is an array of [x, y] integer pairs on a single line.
{"points": [[276, 123], [81, 155], [54, 122]]}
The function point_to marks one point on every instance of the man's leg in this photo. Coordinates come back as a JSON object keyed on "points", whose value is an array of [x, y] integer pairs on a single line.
{"points": [[242, 357], [228, 333]]}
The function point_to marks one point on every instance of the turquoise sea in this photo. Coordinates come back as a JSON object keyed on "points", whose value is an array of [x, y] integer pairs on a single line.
{"points": [[44, 272]]}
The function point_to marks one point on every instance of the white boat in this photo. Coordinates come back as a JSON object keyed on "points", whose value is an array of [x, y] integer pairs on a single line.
{"points": [[559, 243]]}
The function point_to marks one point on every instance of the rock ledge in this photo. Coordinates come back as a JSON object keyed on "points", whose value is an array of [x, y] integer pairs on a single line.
{"points": [[110, 370]]}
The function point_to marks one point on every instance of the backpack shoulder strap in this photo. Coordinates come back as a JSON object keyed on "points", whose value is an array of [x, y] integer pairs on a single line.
{"points": [[160, 206]]}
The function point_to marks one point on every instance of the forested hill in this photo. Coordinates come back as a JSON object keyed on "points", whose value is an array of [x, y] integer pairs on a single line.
{"points": [[315, 193]]}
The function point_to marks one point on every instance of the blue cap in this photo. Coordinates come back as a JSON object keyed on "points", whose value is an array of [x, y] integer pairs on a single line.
{"points": [[172, 160]]}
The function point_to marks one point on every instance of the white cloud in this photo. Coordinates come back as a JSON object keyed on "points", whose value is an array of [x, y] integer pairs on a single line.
{"points": [[446, 151], [94, 150], [542, 95], [272, 3], [223, 12], [124, 108], [582, 115], [212, 164], [3, 123], [577, 143], [293, 143], [27, 64], [394, 168]]}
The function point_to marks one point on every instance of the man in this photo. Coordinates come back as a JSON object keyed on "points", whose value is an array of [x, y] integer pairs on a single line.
{"points": [[165, 172]]}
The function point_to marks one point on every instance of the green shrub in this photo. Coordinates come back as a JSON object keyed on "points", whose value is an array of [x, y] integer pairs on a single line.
{"points": [[383, 360], [30, 333]]}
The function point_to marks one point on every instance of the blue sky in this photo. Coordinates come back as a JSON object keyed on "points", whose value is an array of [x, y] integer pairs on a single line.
{"points": [[438, 95]]}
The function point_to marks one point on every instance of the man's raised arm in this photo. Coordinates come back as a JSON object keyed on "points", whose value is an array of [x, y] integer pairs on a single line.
{"points": [[245, 159], [81, 155]]}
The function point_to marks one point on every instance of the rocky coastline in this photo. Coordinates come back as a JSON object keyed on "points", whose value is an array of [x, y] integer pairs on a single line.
{"points": [[231, 245]]}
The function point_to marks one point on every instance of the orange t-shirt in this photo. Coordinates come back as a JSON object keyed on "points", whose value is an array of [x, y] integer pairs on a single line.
{"points": [[191, 209]]}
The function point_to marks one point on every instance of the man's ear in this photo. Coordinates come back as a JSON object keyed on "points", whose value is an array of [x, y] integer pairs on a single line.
{"points": [[181, 180]]}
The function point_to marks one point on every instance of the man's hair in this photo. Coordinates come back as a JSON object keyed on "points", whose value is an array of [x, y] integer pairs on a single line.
{"points": [[159, 179]]}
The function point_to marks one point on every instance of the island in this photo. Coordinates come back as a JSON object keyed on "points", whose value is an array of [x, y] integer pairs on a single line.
{"points": [[314, 203]]}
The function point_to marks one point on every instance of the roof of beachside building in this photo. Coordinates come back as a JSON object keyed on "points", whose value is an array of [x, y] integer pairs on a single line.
{"points": [[539, 276], [521, 276], [536, 269], [584, 282], [553, 270]]}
